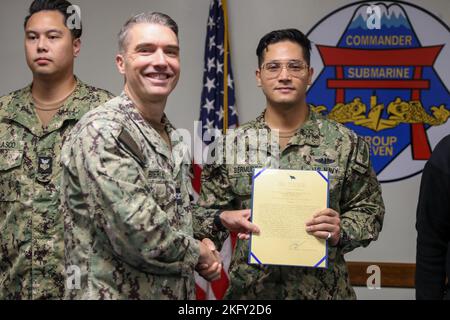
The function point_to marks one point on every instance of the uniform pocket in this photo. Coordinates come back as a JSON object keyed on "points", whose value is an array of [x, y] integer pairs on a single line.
{"points": [[10, 161]]}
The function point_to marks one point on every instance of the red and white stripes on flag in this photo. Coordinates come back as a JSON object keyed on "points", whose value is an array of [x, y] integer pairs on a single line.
{"points": [[215, 290], [217, 111]]}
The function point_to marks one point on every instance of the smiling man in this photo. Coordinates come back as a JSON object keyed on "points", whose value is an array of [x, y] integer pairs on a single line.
{"points": [[34, 122], [307, 141], [126, 199]]}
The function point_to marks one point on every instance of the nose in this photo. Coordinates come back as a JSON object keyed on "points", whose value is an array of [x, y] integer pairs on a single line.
{"points": [[42, 45], [160, 59], [284, 74]]}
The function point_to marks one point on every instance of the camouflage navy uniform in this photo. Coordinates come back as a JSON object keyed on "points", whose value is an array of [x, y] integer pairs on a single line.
{"points": [[320, 144], [127, 207], [31, 227]]}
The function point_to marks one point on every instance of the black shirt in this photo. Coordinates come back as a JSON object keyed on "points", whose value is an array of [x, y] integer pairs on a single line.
{"points": [[433, 225]]}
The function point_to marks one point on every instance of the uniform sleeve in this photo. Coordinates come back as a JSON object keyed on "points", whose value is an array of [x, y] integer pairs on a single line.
{"points": [[362, 207], [122, 207], [433, 232]]}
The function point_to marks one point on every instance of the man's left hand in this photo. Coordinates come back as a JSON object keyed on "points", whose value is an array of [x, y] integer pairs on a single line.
{"points": [[325, 224]]}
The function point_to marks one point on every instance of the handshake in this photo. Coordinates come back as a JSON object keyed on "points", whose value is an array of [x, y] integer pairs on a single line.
{"points": [[210, 263]]}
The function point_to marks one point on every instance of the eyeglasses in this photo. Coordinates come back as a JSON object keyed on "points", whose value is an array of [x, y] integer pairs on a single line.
{"points": [[295, 68]]}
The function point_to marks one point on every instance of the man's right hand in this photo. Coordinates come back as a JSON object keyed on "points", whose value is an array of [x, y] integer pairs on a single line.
{"points": [[238, 221], [209, 263]]}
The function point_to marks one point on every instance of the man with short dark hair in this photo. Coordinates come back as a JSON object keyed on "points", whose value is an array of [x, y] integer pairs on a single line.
{"points": [[34, 122], [307, 141]]}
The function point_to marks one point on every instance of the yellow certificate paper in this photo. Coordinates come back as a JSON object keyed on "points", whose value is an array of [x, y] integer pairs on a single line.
{"points": [[282, 202]]}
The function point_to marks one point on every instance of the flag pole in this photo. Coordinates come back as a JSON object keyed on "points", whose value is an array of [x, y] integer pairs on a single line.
{"points": [[225, 67]]}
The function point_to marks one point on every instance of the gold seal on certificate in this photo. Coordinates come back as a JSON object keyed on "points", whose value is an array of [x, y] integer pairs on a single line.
{"points": [[282, 202]]}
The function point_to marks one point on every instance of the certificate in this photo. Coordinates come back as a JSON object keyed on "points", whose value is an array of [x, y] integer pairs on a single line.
{"points": [[282, 202]]}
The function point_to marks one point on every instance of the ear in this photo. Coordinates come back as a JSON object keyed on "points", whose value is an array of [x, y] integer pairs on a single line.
{"points": [[76, 47], [310, 76], [258, 77], [120, 63]]}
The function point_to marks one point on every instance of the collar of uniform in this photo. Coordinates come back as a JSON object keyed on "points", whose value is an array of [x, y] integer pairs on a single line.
{"points": [[150, 134], [309, 132], [21, 110]]}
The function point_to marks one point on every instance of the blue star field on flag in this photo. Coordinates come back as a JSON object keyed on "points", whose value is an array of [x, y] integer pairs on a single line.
{"points": [[212, 110]]}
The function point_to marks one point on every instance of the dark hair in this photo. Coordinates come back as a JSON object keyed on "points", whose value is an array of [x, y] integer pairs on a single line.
{"points": [[55, 5], [276, 36]]}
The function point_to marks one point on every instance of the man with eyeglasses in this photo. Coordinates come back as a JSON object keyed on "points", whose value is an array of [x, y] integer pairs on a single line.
{"points": [[307, 141]]}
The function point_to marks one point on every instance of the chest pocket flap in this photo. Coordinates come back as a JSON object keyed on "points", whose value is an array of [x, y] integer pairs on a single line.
{"points": [[9, 179]]}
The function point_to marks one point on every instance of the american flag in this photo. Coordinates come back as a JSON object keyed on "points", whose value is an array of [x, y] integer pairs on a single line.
{"points": [[217, 111]]}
